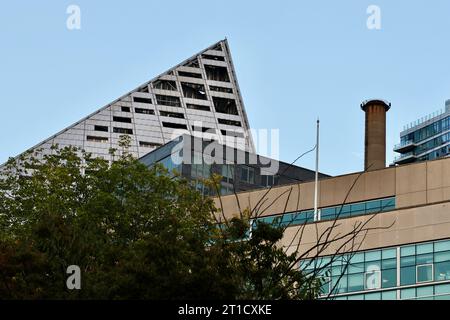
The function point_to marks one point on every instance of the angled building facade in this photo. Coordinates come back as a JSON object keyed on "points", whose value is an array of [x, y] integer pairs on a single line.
{"points": [[199, 96]]}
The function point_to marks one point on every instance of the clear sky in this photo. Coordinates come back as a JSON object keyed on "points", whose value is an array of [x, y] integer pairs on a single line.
{"points": [[295, 61]]}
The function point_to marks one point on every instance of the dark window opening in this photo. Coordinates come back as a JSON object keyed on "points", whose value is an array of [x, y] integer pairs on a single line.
{"points": [[193, 91], [149, 144], [203, 129], [101, 128], [174, 125], [122, 130], [230, 122], [197, 107], [122, 119], [143, 89], [144, 111], [165, 85], [168, 100], [142, 100], [96, 139], [125, 109], [212, 57], [193, 63], [189, 74], [224, 105], [217, 73], [232, 133], [218, 47], [221, 89], [171, 114]]}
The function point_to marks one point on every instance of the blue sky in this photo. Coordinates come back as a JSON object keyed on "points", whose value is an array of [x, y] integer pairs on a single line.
{"points": [[295, 61]]}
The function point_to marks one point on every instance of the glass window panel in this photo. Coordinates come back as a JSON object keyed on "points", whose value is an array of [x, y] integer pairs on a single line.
{"points": [[442, 297], [389, 295], [408, 275], [442, 256], [408, 251], [325, 288], [355, 267], [389, 263], [425, 273], [373, 296], [356, 297], [389, 278], [389, 253], [408, 293], [357, 257], [424, 258], [388, 204], [408, 261], [372, 266], [372, 255], [424, 291], [339, 283], [373, 206], [358, 208], [442, 246], [356, 282], [424, 248], [372, 280], [337, 271], [442, 271], [442, 288], [327, 213], [340, 298]]}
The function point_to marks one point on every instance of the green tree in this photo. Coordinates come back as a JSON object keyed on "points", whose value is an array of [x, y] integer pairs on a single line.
{"points": [[135, 232]]}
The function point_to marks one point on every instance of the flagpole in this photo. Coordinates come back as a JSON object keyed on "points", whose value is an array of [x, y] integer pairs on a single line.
{"points": [[316, 186]]}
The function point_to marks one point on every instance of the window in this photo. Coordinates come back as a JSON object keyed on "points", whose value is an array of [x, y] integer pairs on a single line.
{"points": [[122, 130], [248, 174], [168, 100], [232, 133], [189, 74], [224, 105], [197, 107], [212, 57], [217, 73], [218, 47], [228, 173], [372, 280], [269, 180], [165, 85], [221, 89], [171, 114], [96, 139], [101, 128], [194, 91], [203, 129], [230, 122], [424, 273], [142, 100], [143, 89], [144, 111], [149, 144], [125, 109], [193, 63], [174, 125], [122, 119]]}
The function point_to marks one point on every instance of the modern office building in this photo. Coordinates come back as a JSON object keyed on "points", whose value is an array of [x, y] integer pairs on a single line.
{"points": [[197, 158], [199, 94], [425, 139], [383, 233]]}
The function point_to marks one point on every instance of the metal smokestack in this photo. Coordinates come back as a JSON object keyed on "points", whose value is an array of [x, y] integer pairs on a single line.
{"points": [[375, 133]]}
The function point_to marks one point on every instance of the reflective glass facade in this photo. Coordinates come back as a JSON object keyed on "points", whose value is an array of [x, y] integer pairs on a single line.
{"points": [[331, 213], [417, 271]]}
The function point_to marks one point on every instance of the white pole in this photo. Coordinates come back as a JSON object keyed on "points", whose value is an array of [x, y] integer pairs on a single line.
{"points": [[316, 186]]}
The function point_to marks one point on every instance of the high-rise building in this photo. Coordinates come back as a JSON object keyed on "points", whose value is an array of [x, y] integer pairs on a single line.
{"points": [[377, 234], [199, 96], [425, 139]]}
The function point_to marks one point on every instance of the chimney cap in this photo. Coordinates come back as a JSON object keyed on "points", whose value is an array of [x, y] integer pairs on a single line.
{"points": [[366, 103]]}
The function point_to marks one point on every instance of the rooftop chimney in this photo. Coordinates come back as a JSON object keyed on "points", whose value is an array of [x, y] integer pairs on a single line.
{"points": [[375, 135]]}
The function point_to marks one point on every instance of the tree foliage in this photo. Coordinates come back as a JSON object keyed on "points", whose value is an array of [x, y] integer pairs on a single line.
{"points": [[135, 232]]}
